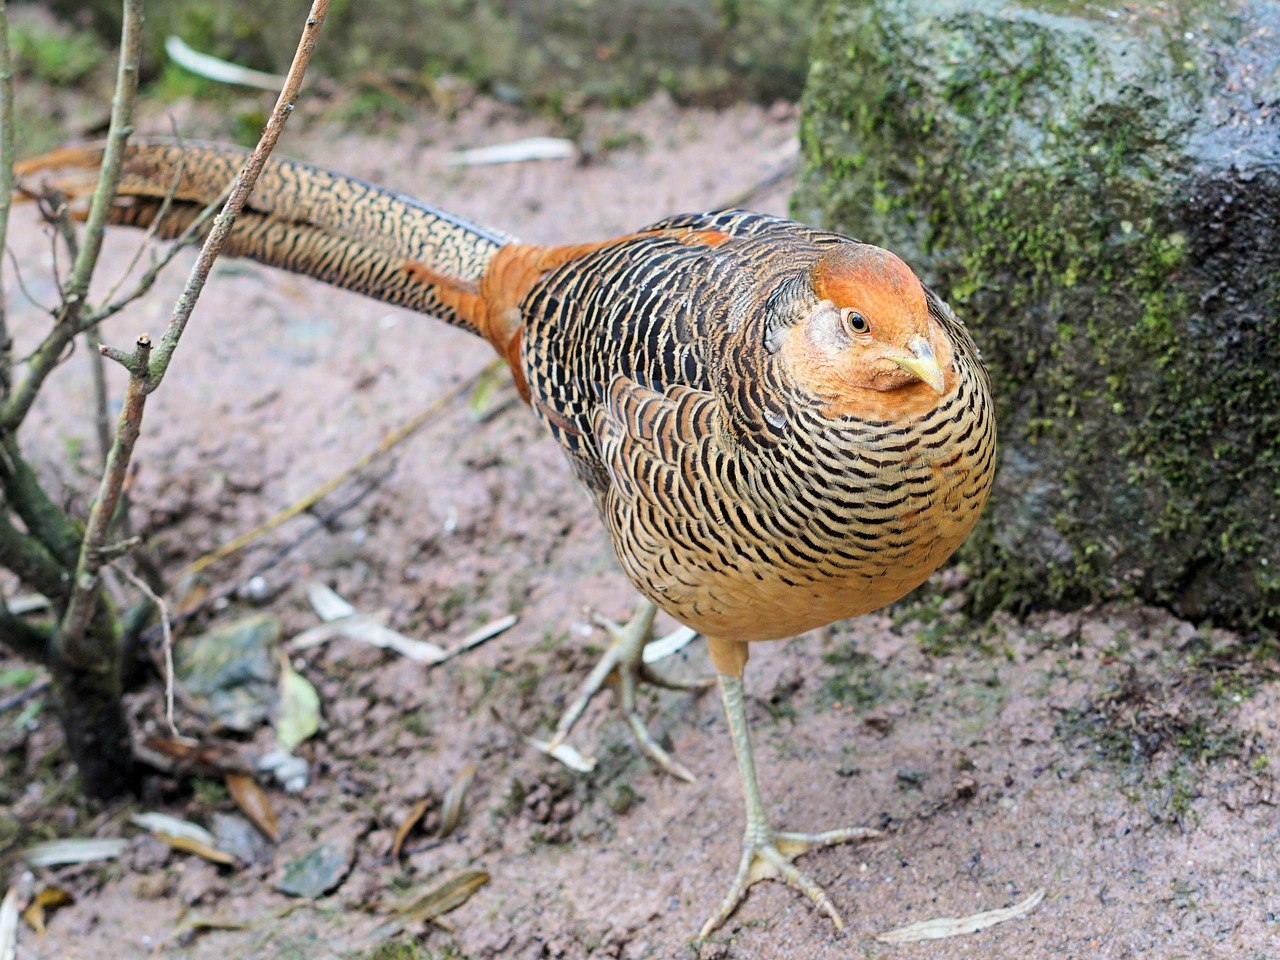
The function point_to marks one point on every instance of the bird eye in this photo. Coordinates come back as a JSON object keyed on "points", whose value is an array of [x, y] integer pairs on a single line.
{"points": [[855, 322]]}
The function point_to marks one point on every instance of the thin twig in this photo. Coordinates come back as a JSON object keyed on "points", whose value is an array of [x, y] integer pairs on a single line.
{"points": [[150, 235], [50, 352], [167, 633], [84, 595], [22, 285], [239, 193], [392, 439], [148, 279], [6, 186], [30, 692], [146, 374]]}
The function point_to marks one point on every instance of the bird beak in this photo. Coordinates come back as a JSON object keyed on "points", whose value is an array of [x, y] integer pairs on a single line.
{"points": [[922, 363]]}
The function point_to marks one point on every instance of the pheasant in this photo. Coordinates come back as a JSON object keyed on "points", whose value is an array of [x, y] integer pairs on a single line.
{"points": [[780, 426]]}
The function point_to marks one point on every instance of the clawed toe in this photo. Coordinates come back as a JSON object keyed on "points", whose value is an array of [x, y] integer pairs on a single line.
{"points": [[625, 665], [768, 855]]}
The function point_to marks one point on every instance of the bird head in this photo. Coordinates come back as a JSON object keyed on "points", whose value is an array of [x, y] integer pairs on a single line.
{"points": [[869, 345]]}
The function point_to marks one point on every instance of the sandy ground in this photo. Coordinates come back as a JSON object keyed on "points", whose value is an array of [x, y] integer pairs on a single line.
{"points": [[1117, 758]]}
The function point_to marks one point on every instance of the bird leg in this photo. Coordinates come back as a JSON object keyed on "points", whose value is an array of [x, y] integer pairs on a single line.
{"points": [[624, 666], [767, 853]]}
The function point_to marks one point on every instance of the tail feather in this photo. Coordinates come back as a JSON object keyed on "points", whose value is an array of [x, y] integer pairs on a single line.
{"points": [[304, 219]]}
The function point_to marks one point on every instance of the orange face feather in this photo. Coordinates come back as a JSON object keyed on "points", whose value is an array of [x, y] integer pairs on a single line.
{"points": [[870, 347]]}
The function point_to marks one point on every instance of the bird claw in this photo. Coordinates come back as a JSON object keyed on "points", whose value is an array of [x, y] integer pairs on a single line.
{"points": [[767, 855], [624, 666]]}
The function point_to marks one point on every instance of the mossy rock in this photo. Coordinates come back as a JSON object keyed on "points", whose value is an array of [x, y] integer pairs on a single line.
{"points": [[1096, 189], [544, 52]]}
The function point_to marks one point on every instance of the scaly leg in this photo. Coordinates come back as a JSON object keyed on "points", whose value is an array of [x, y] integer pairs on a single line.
{"points": [[625, 666], [767, 853]]}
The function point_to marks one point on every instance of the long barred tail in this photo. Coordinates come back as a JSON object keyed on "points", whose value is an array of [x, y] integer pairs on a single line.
{"points": [[301, 218]]}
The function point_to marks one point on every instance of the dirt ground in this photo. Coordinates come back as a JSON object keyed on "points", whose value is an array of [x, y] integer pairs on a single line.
{"points": [[1117, 758]]}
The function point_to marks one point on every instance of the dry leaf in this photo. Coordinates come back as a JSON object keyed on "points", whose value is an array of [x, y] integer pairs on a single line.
{"points": [[437, 901], [208, 851], [46, 901], [249, 797], [480, 635], [222, 71], [299, 711], [57, 853], [326, 602], [518, 151], [191, 925], [566, 753], [454, 799], [958, 926], [411, 821], [184, 835], [216, 756], [9, 925], [342, 620]]}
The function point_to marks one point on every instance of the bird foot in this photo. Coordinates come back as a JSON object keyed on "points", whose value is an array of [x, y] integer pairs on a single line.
{"points": [[768, 854], [624, 666]]}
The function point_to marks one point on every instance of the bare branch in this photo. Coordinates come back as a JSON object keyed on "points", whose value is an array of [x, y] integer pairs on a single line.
{"points": [[145, 374], [148, 279], [167, 632], [22, 285], [84, 595], [150, 235], [50, 352], [6, 185], [244, 185]]}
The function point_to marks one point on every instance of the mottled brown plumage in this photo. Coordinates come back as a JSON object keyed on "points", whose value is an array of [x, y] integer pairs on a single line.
{"points": [[781, 427]]}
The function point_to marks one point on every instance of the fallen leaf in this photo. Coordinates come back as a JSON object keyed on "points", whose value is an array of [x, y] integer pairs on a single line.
{"points": [[454, 799], [326, 602], [57, 853], [9, 925], [479, 636], [436, 902], [159, 823], [364, 627], [208, 851], [566, 753], [405, 828], [222, 71], [530, 148], [192, 925], [185, 836], [958, 926], [45, 902], [299, 711], [377, 635], [206, 756], [249, 797]]}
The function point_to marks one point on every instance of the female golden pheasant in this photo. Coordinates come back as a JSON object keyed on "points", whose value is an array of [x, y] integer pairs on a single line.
{"points": [[781, 426]]}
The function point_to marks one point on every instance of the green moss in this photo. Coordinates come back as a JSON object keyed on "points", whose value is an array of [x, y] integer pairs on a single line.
{"points": [[1005, 154]]}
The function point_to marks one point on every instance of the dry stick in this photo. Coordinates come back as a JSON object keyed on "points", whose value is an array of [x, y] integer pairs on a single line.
{"points": [[395, 437], [49, 354], [84, 595], [167, 632], [145, 374], [6, 185]]}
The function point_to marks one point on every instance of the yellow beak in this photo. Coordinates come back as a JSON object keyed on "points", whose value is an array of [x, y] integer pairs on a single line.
{"points": [[922, 363]]}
